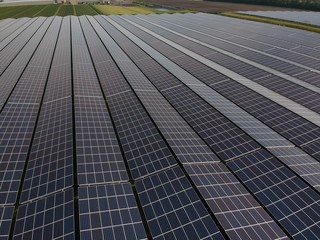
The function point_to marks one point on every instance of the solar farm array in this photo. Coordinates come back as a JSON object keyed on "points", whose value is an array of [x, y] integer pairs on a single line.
{"points": [[182, 126]]}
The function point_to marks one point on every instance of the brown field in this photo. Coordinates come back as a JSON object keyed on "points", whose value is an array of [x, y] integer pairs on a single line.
{"points": [[206, 6]]}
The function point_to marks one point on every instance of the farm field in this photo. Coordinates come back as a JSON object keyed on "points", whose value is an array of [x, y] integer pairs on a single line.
{"points": [[78, 10]]}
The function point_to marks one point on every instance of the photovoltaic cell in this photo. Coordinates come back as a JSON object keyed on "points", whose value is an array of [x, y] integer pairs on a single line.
{"points": [[297, 93], [109, 212], [47, 218], [186, 144], [19, 116], [290, 200], [313, 149], [173, 209], [183, 140], [99, 159], [6, 214], [301, 163], [144, 148], [240, 215], [11, 76], [50, 166], [98, 153], [227, 140], [16, 127], [295, 128]]}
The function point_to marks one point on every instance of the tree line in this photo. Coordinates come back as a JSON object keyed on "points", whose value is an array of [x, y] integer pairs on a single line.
{"points": [[302, 4]]}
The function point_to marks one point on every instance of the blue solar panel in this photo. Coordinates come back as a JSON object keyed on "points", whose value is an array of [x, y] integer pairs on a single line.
{"points": [[240, 215], [47, 218], [173, 209], [290, 200], [98, 153], [103, 137], [6, 214], [109, 212]]}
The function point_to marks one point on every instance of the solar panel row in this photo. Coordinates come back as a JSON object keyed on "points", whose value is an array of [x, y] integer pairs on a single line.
{"points": [[142, 114]]}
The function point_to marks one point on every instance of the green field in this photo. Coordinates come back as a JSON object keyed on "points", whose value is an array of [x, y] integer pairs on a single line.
{"points": [[84, 10], [78, 10], [65, 10]]}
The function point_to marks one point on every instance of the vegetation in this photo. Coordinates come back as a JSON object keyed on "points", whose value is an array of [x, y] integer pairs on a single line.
{"points": [[65, 10], [84, 10], [108, 9], [49, 10], [303, 4], [30, 12], [273, 21], [10, 12]]}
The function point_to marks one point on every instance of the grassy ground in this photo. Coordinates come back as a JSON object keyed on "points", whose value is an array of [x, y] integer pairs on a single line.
{"points": [[273, 21], [65, 10]]}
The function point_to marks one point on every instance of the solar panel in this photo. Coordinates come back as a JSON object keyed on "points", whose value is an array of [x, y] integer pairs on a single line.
{"points": [[184, 141], [295, 128], [47, 218], [301, 163], [11, 75], [14, 34], [143, 146], [109, 129], [109, 212], [98, 153], [313, 149], [226, 139], [299, 94], [173, 209], [50, 166], [240, 215], [19, 116], [6, 214], [310, 77], [12, 28], [290, 200]]}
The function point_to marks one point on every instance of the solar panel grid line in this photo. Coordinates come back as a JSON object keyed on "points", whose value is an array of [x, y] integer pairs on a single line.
{"points": [[281, 35], [24, 118], [170, 27], [296, 93], [197, 29], [17, 46], [6, 214], [99, 159], [230, 206], [134, 126], [168, 67], [285, 196], [114, 204], [12, 28], [297, 108], [12, 36], [179, 211], [50, 217], [5, 23], [15, 70], [168, 120], [164, 168]]}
